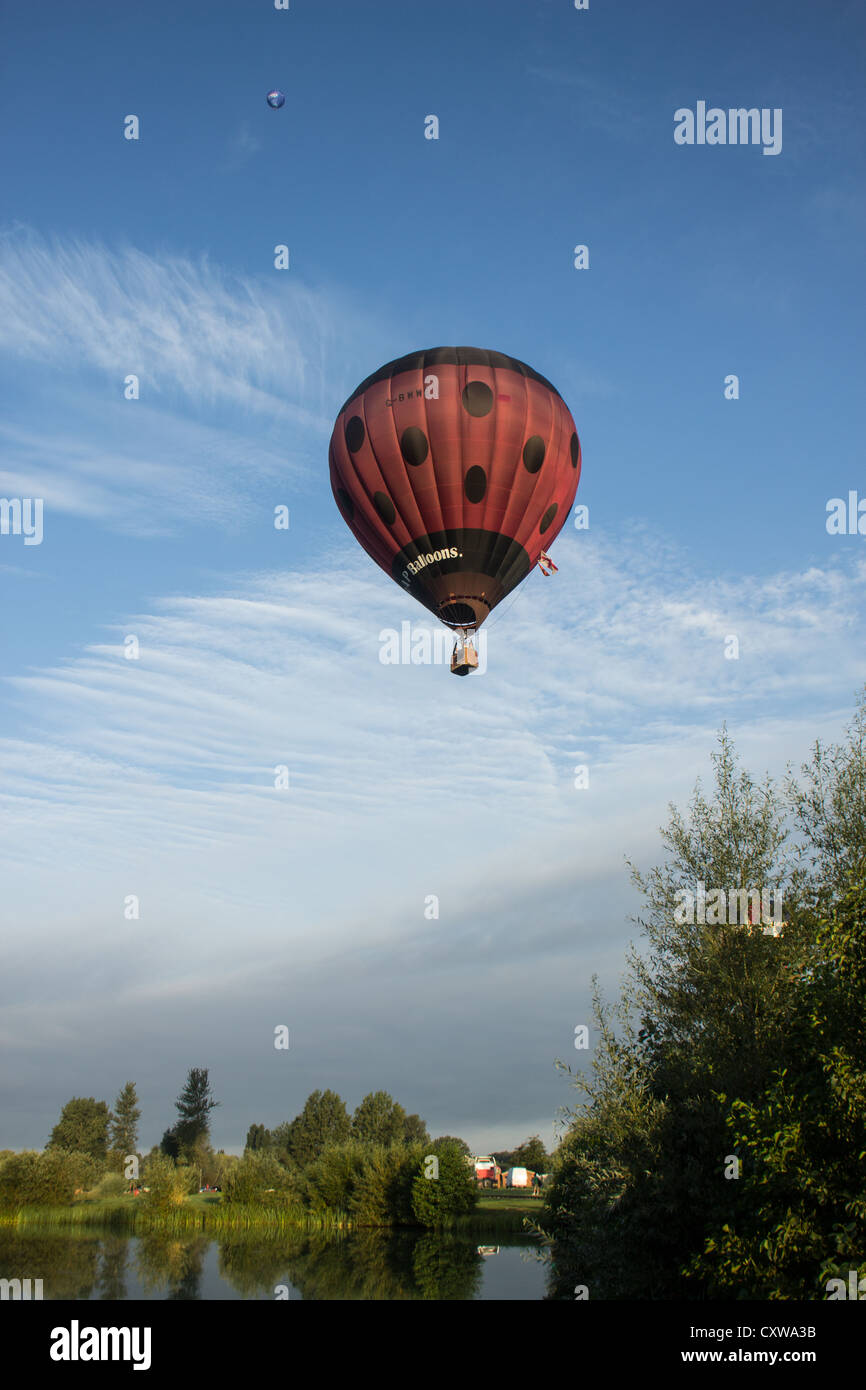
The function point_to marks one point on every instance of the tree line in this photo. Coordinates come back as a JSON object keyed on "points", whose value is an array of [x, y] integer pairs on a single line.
{"points": [[373, 1165]]}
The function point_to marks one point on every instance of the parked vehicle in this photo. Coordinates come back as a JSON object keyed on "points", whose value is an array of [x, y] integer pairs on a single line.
{"points": [[487, 1171]]}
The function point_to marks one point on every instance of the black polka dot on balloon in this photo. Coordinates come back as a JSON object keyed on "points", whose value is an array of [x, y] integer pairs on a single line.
{"points": [[575, 450], [548, 517], [346, 504], [533, 453], [414, 446], [355, 434], [477, 398], [385, 507], [475, 483]]}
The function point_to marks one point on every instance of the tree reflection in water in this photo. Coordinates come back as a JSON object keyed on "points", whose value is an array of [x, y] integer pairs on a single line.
{"points": [[369, 1265]]}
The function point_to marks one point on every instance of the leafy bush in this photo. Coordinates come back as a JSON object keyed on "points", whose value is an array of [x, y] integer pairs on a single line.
{"points": [[375, 1199], [258, 1179], [111, 1185], [330, 1180], [224, 1164], [453, 1193], [167, 1183], [18, 1179], [45, 1179]]}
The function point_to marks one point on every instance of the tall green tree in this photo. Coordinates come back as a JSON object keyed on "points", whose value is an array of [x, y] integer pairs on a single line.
{"points": [[323, 1121], [124, 1121], [703, 1014], [168, 1145], [279, 1141], [194, 1105], [415, 1131], [451, 1139], [378, 1119], [257, 1138], [719, 1149], [801, 1215], [532, 1154], [82, 1127], [828, 802]]}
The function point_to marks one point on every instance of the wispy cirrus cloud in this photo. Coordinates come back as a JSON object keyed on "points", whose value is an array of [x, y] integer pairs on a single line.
{"points": [[238, 380], [285, 668], [168, 474], [183, 326]]}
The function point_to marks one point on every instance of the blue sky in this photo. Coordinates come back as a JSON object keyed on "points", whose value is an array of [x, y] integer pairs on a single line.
{"points": [[261, 647]]}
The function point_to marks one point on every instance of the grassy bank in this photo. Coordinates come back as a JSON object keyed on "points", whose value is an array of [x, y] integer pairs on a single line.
{"points": [[206, 1212], [131, 1215]]}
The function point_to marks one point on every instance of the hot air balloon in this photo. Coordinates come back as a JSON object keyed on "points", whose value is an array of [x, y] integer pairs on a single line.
{"points": [[453, 467], [275, 99]]}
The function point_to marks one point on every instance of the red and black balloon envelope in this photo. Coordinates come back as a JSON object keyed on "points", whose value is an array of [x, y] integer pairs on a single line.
{"points": [[454, 468]]}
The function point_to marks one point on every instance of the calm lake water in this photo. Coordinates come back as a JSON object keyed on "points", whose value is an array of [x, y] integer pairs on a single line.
{"points": [[363, 1265]]}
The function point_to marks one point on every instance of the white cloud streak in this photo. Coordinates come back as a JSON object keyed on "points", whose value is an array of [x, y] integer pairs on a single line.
{"points": [[239, 379], [403, 771], [184, 326]]}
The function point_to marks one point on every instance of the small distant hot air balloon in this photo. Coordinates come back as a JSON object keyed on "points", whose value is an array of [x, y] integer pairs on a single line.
{"points": [[276, 99], [454, 467]]}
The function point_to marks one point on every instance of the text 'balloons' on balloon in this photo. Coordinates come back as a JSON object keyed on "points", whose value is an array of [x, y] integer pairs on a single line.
{"points": [[455, 468], [276, 99]]}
